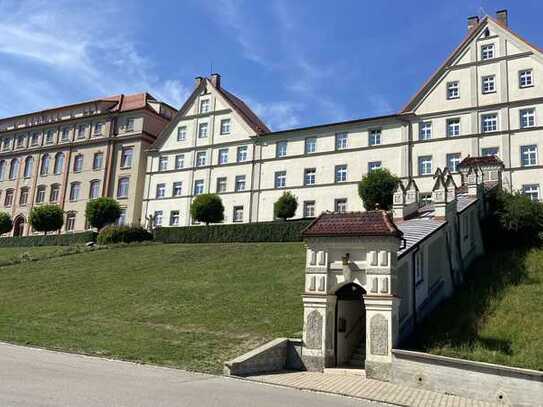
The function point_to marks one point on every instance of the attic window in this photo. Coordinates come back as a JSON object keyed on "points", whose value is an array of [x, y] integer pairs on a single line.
{"points": [[486, 33]]}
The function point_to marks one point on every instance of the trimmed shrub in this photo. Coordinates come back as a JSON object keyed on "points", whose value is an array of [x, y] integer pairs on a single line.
{"points": [[6, 224], [67, 239], [123, 234], [285, 207], [377, 189], [207, 208], [278, 231], [46, 218], [102, 211]]}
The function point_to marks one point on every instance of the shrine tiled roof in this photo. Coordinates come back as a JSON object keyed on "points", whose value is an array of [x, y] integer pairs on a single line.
{"points": [[370, 223]]}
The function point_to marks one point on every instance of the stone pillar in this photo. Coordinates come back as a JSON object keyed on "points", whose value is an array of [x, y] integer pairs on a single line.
{"points": [[382, 327], [319, 330]]}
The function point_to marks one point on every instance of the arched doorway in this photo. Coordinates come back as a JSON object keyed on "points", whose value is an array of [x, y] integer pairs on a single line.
{"points": [[350, 326], [18, 226]]}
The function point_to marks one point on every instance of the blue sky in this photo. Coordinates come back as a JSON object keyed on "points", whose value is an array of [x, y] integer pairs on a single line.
{"points": [[296, 63]]}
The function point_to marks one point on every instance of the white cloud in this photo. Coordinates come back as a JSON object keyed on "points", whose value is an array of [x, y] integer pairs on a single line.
{"points": [[277, 115]]}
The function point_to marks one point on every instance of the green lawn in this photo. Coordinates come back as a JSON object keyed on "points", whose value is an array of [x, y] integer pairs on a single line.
{"points": [[497, 316], [189, 306], [8, 252]]}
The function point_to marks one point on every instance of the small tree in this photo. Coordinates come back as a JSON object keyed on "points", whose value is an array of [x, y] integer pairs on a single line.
{"points": [[6, 224], [102, 211], [285, 207], [46, 218], [377, 189], [207, 208]]}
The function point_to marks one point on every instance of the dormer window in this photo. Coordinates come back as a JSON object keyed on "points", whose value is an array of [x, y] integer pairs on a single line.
{"points": [[487, 51], [129, 126], [204, 105], [453, 90]]}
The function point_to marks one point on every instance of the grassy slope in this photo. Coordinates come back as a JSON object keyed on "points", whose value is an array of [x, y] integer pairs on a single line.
{"points": [[10, 252], [191, 306]]}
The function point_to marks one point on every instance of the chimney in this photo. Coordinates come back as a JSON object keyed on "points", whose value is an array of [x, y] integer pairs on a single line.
{"points": [[501, 16], [198, 80], [472, 22], [216, 80]]}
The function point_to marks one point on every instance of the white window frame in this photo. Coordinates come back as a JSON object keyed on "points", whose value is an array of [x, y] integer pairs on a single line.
{"points": [[222, 184], [487, 51], [240, 183], [175, 216], [342, 141], [425, 165], [309, 209], [163, 163], [532, 191], [199, 187], [374, 165], [489, 122], [453, 90], [310, 176], [280, 179], [182, 133], [205, 105], [160, 190], [237, 214], [488, 84], [528, 155], [201, 158], [374, 137], [203, 130], [527, 118], [127, 156], [340, 173], [310, 145], [177, 188], [225, 127], [241, 154], [453, 158], [453, 127], [179, 161], [342, 202], [223, 156], [425, 131], [485, 151], [281, 149], [526, 78], [123, 187]]}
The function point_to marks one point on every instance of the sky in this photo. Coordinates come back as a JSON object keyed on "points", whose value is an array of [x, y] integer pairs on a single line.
{"points": [[296, 63]]}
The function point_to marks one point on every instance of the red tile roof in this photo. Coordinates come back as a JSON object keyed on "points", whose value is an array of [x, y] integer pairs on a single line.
{"points": [[490, 160], [245, 111], [370, 223], [130, 102]]}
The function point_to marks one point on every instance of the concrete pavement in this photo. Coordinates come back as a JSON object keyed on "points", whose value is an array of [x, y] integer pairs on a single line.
{"points": [[31, 377]]}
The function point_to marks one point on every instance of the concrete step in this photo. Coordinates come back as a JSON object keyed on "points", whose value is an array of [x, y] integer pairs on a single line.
{"points": [[347, 371]]}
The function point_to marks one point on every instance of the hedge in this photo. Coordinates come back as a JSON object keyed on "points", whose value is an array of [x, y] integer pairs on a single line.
{"points": [[123, 234], [278, 231], [66, 239]]}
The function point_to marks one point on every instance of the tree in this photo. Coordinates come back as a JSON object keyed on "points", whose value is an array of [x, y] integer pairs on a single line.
{"points": [[46, 218], [520, 215], [285, 207], [102, 211], [6, 224], [207, 208], [377, 188]]}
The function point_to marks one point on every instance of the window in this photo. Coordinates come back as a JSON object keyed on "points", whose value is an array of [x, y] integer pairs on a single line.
{"points": [[97, 161], [340, 205], [341, 141], [163, 163], [2, 169], [238, 214], [240, 183], [281, 149], [425, 165], [179, 161], [425, 131], [528, 155], [419, 267], [202, 130], [453, 127], [78, 163], [223, 156], [59, 163], [21, 140], [374, 137], [23, 197], [309, 209], [6, 143], [160, 191], [453, 90], [487, 51], [201, 158], [40, 194], [280, 179], [94, 190], [310, 145], [531, 191], [489, 122], [490, 151], [65, 136], [8, 198], [70, 222], [527, 118], [525, 78], [157, 218], [49, 136], [182, 133], [129, 124], [488, 84], [81, 130], [29, 163], [204, 105], [341, 173], [221, 184], [174, 218], [35, 139], [309, 176], [44, 169], [122, 217], [198, 187], [242, 153], [14, 168], [452, 161], [122, 187], [225, 126], [55, 193], [374, 165], [177, 188], [98, 128], [74, 191], [126, 157]]}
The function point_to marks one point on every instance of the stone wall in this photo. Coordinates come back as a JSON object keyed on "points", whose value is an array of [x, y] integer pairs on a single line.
{"points": [[476, 380]]}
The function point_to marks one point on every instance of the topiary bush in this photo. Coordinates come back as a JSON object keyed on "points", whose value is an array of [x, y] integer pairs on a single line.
{"points": [[207, 208], [123, 234], [102, 211], [46, 218], [285, 207], [377, 189], [6, 224]]}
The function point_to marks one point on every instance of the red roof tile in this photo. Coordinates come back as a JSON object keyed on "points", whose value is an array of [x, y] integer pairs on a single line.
{"points": [[370, 223], [490, 160]]}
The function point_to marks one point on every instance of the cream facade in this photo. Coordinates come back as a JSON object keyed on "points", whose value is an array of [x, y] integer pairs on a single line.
{"points": [[486, 99], [71, 154]]}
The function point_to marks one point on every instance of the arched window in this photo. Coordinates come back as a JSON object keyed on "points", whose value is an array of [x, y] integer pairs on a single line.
{"points": [[44, 170], [14, 168], [59, 163], [55, 193], [75, 188], [40, 194], [78, 163], [94, 191], [29, 163], [122, 187], [2, 169]]}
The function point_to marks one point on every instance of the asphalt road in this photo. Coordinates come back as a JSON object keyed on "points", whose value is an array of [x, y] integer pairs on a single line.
{"points": [[31, 377]]}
